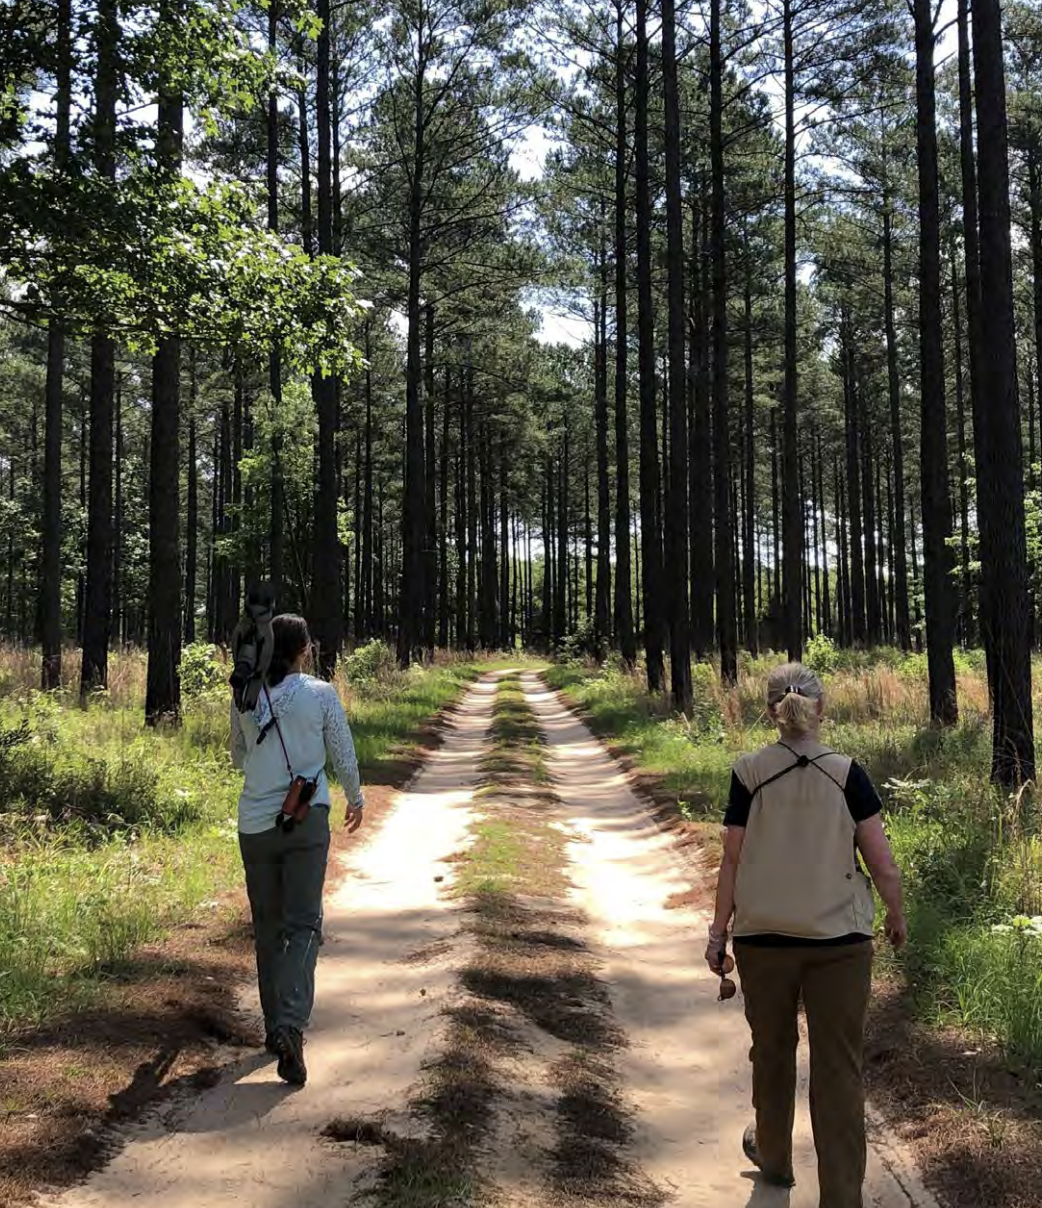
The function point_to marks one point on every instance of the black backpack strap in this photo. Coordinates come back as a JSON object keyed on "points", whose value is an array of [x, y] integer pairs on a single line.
{"points": [[800, 761], [278, 730]]}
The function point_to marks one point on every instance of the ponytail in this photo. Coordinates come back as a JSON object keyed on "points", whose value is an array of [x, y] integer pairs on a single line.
{"points": [[794, 695], [291, 639]]}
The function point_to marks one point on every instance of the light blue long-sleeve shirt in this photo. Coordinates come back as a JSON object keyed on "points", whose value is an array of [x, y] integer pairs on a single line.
{"points": [[314, 728]]}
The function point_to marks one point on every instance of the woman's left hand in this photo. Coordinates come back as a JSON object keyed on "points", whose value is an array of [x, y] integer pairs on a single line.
{"points": [[353, 818]]}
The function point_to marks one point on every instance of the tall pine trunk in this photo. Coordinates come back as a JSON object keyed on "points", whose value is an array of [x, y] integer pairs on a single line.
{"points": [[443, 519], [625, 635], [676, 551], [650, 480], [276, 549], [858, 624], [163, 689], [749, 477], [971, 247], [602, 599], [791, 504], [904, 624], [966, 594], [192, 517], [725, 586], [937, 522], [97, 606], [430, 550], [51, 576], [1006, 569], [701, 439], [327, 614], [413, 592]]}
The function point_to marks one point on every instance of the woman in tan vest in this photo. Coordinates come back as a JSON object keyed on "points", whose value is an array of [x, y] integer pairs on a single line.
{"points": [[800, 909]]}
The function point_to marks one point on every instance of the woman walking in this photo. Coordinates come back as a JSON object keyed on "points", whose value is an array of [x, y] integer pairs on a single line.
{"points": [[297, 725], [793, 895]]}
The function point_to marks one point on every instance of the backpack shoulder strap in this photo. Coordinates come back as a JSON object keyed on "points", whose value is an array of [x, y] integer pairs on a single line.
{"points": [[799, 762], [278, 731]]}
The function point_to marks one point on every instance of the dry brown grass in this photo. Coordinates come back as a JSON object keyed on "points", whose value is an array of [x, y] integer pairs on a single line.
{"points": [[155, 1031], [973, 1124]]}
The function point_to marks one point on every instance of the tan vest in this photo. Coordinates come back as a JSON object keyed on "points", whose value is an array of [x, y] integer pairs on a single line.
{"points": [[798, 874]]}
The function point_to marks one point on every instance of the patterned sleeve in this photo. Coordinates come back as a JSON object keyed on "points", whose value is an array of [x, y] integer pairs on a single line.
{"points": [[340, 745], [238, 740]]}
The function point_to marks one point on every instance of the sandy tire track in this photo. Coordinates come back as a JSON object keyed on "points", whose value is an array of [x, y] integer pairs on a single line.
{"points": [[250, 1142], [686, 1069]]}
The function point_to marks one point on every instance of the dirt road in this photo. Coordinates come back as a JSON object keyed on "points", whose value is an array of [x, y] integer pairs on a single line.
{"points": [[394, 948]]}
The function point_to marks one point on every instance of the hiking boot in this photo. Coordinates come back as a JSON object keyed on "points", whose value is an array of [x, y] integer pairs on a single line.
{"points": [[753, 1154], [270, 1044], [289, 1045]]}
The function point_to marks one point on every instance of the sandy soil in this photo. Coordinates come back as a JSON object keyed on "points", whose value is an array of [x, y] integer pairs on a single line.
{"points": [[393, 950]]}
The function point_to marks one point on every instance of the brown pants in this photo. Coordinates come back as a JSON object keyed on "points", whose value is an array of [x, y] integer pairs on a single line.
{"points": [[835, 983]]}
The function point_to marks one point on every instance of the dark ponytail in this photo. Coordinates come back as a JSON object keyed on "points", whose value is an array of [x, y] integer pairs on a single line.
{"points": [[291, 639]]}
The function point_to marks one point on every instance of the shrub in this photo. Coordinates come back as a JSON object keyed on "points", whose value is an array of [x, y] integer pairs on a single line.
{"points": [[706, 715], [821, 655], [202, 672], [375, 662]]}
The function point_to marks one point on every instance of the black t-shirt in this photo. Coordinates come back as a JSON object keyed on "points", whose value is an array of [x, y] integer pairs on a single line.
{"points": [[862, 801]]}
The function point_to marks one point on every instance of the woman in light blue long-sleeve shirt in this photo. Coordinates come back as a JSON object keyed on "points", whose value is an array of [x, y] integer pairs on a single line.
{"points": [[300, 722]]}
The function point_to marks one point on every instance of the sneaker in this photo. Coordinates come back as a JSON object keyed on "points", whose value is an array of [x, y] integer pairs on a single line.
{"points": [[289, 1045], [753, 1154]]}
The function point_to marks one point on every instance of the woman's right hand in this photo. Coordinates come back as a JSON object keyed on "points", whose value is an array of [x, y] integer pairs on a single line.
{"points": [[896, 930]]}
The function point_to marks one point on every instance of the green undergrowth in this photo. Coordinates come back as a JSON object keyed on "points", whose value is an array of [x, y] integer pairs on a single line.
{"points": [[111, 833], [515, 751], [970, 855]]}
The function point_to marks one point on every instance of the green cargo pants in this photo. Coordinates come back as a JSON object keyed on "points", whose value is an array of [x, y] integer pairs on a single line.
{"points": [[835, 984], [285, 876]]}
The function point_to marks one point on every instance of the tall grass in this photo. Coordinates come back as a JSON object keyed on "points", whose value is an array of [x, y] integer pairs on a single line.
{"points": [[971, 856], [111, 832]]}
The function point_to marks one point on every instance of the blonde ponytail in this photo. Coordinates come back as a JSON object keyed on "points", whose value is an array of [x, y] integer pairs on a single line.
{"points": [[794, 694]]}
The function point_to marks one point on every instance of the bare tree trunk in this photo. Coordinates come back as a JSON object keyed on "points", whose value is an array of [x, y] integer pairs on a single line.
{"points": [[327, 614], [650, 480], [624, 631], [937, 524], [192, 534], [725, 588], [968, 629], [602, 607], [98, 588], [701, 453], [790, 458], [748, 448], [1005, 570], [163, 691], [443, 520], [276, 553], [430, 551], [858, 625], [904, 627], [971, 247], [51, 578], [676, 553]]}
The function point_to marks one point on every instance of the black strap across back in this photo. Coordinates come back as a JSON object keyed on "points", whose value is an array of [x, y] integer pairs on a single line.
{"points": [[801, 761]]}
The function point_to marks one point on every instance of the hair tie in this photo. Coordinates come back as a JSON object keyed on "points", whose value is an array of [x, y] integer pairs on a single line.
{"points": [[793, 689]]}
